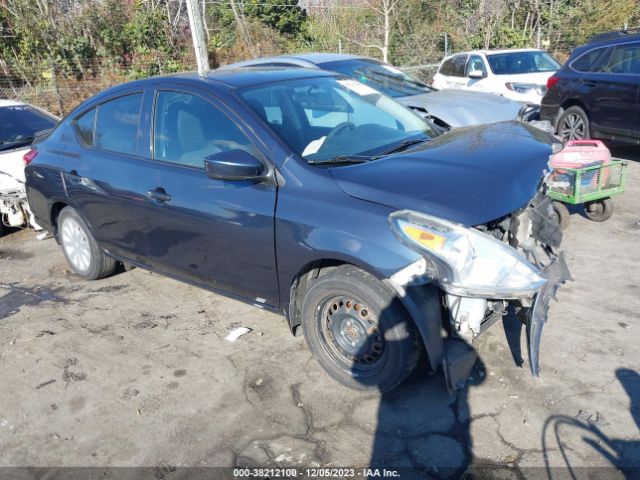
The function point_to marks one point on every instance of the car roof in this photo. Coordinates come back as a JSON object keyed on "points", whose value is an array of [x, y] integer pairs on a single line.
{"points": [[10, 103], [497, 51], [313, 59], [229, 78], [618, 36]]}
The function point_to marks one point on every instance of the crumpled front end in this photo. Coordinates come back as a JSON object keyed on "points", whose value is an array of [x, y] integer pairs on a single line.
{"points": [[511, 264], [533, 233], [14, 208]]}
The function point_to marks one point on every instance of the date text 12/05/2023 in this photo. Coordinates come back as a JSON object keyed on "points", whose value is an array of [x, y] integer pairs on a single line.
{"points": [[316, 472]]}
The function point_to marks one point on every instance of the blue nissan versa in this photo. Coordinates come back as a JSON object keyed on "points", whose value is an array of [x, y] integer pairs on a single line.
{"points": [[314, 196]]}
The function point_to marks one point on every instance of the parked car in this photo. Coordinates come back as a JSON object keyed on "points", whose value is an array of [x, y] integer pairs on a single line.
{"points": [[444, 108], [596, 94], [518, 74], [19, 125], [314, 196]]}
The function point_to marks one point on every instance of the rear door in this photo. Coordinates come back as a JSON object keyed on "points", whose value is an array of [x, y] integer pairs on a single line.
{"points": [[614, 93], [102, 174], [457, 79], [213, 232]]}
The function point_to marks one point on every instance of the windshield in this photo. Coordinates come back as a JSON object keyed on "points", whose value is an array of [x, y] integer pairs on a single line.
{"points": [[327, 117], [20, 123], [389, 80], [513, 63]]}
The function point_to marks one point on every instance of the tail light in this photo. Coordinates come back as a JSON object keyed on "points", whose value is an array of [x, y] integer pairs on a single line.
{"points": [[29, 156], [551, 81]]}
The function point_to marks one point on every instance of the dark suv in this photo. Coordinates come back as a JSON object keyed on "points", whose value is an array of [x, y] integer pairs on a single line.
{"points": [[596, 93]]}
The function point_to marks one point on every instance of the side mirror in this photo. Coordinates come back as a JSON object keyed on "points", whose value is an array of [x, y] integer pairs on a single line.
{"points": [[234, 165], [476, 74]]}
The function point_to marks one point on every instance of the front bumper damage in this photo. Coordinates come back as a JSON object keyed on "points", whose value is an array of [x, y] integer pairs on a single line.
{"points": [[451, 343], [14, 208]]}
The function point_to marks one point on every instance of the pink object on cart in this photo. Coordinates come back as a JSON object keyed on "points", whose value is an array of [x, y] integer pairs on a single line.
{"points": [[580, 154]]}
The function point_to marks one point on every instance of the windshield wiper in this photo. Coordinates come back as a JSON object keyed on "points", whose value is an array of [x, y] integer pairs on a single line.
{"points": [[401, 146], [341, 159], [17, 143]]}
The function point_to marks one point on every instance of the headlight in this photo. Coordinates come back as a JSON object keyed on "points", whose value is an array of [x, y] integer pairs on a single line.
{"points": [[467, 262], [525, 87]]}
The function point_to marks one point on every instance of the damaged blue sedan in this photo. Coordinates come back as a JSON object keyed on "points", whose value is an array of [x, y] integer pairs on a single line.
{"points": [[317, 197]]}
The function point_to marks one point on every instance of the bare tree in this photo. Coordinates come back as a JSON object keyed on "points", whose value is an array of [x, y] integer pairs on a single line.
{"points": [[373, 33]]}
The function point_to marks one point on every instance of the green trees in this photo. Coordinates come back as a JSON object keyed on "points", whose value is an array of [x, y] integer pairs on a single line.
{"points": [[87, 38]]}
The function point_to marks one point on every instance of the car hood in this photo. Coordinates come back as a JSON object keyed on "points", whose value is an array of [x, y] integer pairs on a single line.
{"points": [[460, 108], [469, 176]]}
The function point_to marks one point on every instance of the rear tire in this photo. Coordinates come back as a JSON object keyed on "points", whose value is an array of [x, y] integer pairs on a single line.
{"points": [[80, 248], [599, 210], [573, 124], [561, 215], [359, 331]]}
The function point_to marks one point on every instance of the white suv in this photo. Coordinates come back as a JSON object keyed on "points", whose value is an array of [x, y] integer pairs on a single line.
{"points": [[518, 74]]}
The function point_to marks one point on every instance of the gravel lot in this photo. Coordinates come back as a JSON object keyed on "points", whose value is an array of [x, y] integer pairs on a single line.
{"points": [[133, 370]]}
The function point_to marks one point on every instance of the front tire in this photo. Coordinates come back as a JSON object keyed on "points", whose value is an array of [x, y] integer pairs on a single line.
{"points": [[573, 124], [80, 248], [358, 330]]}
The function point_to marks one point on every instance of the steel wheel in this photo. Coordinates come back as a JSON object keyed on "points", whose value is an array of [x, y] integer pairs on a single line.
{"points": [[358, 329], [351, 333], [75, 244]]}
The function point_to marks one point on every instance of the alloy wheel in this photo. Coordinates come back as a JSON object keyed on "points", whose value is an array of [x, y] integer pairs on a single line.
{"points": [[76, 244], [573, 127]]}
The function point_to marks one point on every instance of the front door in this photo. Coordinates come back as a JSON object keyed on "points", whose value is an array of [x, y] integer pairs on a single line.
{"points": [[213, 232]]}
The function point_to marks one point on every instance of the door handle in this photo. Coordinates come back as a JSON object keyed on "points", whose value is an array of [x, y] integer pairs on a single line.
{"points": [[159, 195]]}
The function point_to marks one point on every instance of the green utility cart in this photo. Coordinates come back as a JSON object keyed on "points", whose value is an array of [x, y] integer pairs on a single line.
{"points": [[591, 186]]}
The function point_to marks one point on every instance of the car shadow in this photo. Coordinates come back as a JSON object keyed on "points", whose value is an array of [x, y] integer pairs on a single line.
{"points": [[422, 430], [513, 326], [562, 432], [631, 153]]}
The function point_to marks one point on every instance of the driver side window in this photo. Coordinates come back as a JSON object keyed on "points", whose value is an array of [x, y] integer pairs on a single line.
{"points": [[187, 128]]}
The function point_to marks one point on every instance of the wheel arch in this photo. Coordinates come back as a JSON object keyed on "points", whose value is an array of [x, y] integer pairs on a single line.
{"points": [[54, 213], [422, 304], [573, 102], [300, 282]]}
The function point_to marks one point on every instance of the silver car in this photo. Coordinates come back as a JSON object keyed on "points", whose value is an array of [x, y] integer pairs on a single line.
{"points": [[445, 108]]}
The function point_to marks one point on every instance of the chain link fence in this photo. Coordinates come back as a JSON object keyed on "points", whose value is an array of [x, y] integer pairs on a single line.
{"points": [[58, 88]]}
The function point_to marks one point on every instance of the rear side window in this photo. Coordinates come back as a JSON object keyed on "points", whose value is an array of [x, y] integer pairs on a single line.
{"points": [[84, 126], [625, 59], [457, 66], [447, 67], [116, 124], [588, 62]]}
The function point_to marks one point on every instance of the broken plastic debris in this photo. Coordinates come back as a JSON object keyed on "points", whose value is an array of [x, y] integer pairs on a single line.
{"points": [[236, 333]]}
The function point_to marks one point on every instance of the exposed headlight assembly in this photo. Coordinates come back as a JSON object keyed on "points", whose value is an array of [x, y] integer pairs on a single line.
{"points": [[464, 261]]}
